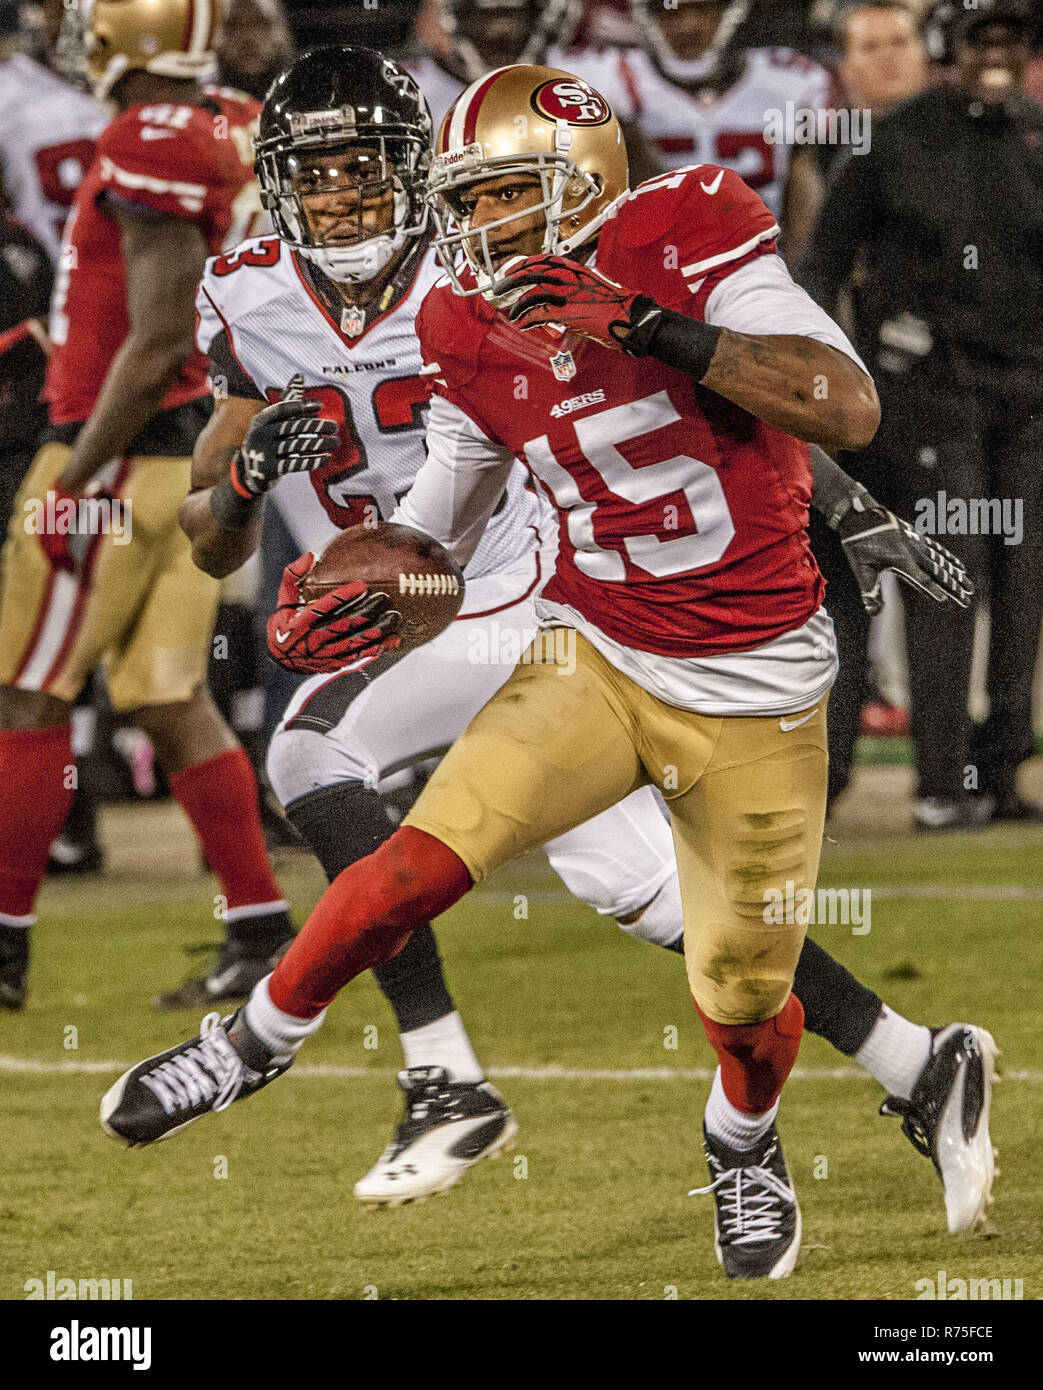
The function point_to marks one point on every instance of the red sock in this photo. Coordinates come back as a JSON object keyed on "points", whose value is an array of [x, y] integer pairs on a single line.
{"points": [[33, 766], [365, 917], [219, 796], [756, 1058]]}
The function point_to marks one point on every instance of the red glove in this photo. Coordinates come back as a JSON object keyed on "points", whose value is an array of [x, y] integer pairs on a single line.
{"points": [[566, 292], [67, 550], [347, 626]]}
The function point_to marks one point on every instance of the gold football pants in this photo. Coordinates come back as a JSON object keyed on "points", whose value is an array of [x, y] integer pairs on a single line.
{"points": [[138, 604], [747, 796]]}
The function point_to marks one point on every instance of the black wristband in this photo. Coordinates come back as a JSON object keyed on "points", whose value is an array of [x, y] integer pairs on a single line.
{"points": [[678, 341], [229, 508]]}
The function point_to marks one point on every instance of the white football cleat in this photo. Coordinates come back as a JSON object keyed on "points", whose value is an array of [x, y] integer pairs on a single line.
{"points": [[947, 1119], [448, 1127]]}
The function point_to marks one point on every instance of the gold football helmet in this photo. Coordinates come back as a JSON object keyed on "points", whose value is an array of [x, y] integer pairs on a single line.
{"points": [[171, 38], [525, 119]]}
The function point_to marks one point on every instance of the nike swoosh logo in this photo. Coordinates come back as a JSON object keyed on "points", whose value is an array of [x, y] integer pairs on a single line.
{"points": [[281, 636], [150, 132], [787, 724], [712, 188], [216, 983]]}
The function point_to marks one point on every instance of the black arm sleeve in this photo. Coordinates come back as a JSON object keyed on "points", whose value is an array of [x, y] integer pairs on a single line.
{"points": [[226, 371], [833, 491]]}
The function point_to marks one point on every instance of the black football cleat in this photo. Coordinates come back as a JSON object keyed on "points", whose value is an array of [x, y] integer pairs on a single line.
{"points": [[757, 1218], [164, 1094], [939, 814], [241, 964], [70, 856], [947, 1119], [14, 967], [448, 1127]]}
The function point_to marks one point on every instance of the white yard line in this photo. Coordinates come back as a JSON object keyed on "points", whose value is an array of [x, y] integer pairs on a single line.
{"points": [[330, 1072]]}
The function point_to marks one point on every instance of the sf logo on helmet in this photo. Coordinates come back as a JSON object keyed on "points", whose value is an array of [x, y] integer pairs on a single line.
{"points": [[571, 100]]}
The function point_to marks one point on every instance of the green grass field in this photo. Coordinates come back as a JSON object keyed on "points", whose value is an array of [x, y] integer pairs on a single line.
{"points": [[592, 1201]]}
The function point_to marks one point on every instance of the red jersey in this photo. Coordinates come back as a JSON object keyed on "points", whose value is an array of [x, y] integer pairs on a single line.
{"points": [[184, 161], [681, 517]]}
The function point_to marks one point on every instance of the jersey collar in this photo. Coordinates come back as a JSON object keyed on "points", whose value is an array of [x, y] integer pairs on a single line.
{"points": [[326, 296]]}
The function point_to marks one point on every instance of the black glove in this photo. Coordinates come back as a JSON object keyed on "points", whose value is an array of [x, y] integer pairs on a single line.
{"points": [[288, 437], [875, 540]]}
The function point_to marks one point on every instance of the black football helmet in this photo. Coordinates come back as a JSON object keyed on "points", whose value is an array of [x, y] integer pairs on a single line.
{"points": [[351, 102]]}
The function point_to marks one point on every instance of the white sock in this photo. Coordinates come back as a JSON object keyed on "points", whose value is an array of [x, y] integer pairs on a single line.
{"points": [[895, 1052], [443, 1043], [280, 1032], [660, 922], [731, 1126], [6, 920]]}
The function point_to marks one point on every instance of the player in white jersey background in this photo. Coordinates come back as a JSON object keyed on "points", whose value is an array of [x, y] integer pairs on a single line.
{"points": [[336, 313], [482, 35], [685, 92], [47, 134], [699, 98], [485, 34]]}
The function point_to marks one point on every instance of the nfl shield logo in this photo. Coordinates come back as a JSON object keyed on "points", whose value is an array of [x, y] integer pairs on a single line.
{"points": [[352, 321], [563, 365]]}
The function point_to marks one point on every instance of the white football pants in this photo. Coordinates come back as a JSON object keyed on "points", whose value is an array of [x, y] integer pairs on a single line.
{"points": [[416, 708]]}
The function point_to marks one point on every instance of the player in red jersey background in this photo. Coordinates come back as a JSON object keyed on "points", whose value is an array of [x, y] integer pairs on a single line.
{"points": [[127, 394]]}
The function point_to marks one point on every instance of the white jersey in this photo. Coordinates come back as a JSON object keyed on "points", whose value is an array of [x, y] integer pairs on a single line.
{"points": [[441, 88], [733, 128], [47, 135], [263, 319]]}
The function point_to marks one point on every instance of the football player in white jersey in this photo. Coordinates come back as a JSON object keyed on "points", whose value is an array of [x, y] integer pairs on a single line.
{"points": [[47, 134], [483, 35], [330, 303], [699, 98], [487, 34]]}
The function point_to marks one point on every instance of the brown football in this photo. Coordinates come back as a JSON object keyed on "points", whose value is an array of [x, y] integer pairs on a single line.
{"points": [[419, 576]]}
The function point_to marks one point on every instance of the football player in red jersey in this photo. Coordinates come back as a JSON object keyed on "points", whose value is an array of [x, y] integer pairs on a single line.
{"points": [[95, 567], [703, 657]]}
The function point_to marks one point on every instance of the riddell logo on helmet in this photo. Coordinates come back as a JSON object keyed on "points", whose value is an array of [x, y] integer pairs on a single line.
{"points": [[302, 122], [468, 155], [572, 101]]}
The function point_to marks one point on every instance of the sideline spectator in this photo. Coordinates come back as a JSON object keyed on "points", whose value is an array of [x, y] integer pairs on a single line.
{"points": [[254, 46], [939, 229]]}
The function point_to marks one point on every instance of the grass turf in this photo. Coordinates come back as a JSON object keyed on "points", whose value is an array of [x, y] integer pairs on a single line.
{"points": [[592, 1201]]}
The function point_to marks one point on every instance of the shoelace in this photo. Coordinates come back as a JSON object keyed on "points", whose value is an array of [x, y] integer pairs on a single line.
{"points": [[914, 1122], [749, 1215], [212, 1068], [433, 1096]]}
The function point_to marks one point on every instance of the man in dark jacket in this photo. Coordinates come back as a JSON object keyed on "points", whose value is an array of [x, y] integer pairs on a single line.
{"points": [[938, 231]]}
